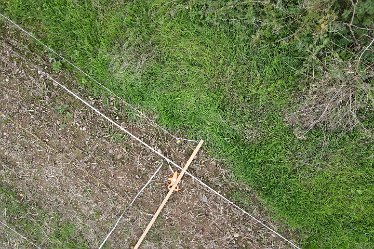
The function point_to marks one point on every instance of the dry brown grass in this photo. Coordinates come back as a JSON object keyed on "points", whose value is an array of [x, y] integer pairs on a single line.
{"points": [[333, 101]]}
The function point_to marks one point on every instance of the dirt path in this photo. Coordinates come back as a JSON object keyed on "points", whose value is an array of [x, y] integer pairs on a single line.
{"points": [[72, 166]]}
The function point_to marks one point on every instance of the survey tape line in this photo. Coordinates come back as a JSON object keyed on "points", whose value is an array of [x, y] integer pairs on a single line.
{"points": [[93, 79], [128, 207], [138, 139], [166, 158], [167, 197], [19, 234]]}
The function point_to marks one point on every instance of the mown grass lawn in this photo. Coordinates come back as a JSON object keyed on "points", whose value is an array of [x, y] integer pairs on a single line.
{"points": [[209, 75]]}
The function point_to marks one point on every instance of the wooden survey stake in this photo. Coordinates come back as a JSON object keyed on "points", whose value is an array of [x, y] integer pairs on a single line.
{"points": [[169, 194]]}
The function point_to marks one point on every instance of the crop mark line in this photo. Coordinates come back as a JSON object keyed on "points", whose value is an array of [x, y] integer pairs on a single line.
{"points": [[141, 141]]}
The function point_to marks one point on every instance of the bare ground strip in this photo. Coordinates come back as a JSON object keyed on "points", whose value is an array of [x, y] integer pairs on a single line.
{"points": [[60, 156]]}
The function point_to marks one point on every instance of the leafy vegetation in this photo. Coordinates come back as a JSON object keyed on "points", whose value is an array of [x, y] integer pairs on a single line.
{"points": [[250, 78]]}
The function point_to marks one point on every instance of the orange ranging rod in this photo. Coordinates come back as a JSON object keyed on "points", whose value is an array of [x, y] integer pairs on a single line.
{"points": [[171, 190]]}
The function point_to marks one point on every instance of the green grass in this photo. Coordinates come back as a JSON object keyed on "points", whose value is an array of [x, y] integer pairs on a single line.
{"points": [[31, 221], [214, 79]]}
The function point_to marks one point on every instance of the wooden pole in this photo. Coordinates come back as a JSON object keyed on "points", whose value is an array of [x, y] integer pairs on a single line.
{"points": [[169, 194]]}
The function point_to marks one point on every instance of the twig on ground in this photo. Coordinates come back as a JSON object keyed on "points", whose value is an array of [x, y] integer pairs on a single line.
{"points": [[362, 53]]}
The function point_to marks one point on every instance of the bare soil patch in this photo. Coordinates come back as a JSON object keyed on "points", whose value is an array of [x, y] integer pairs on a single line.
{"points": [[60, 156]]}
